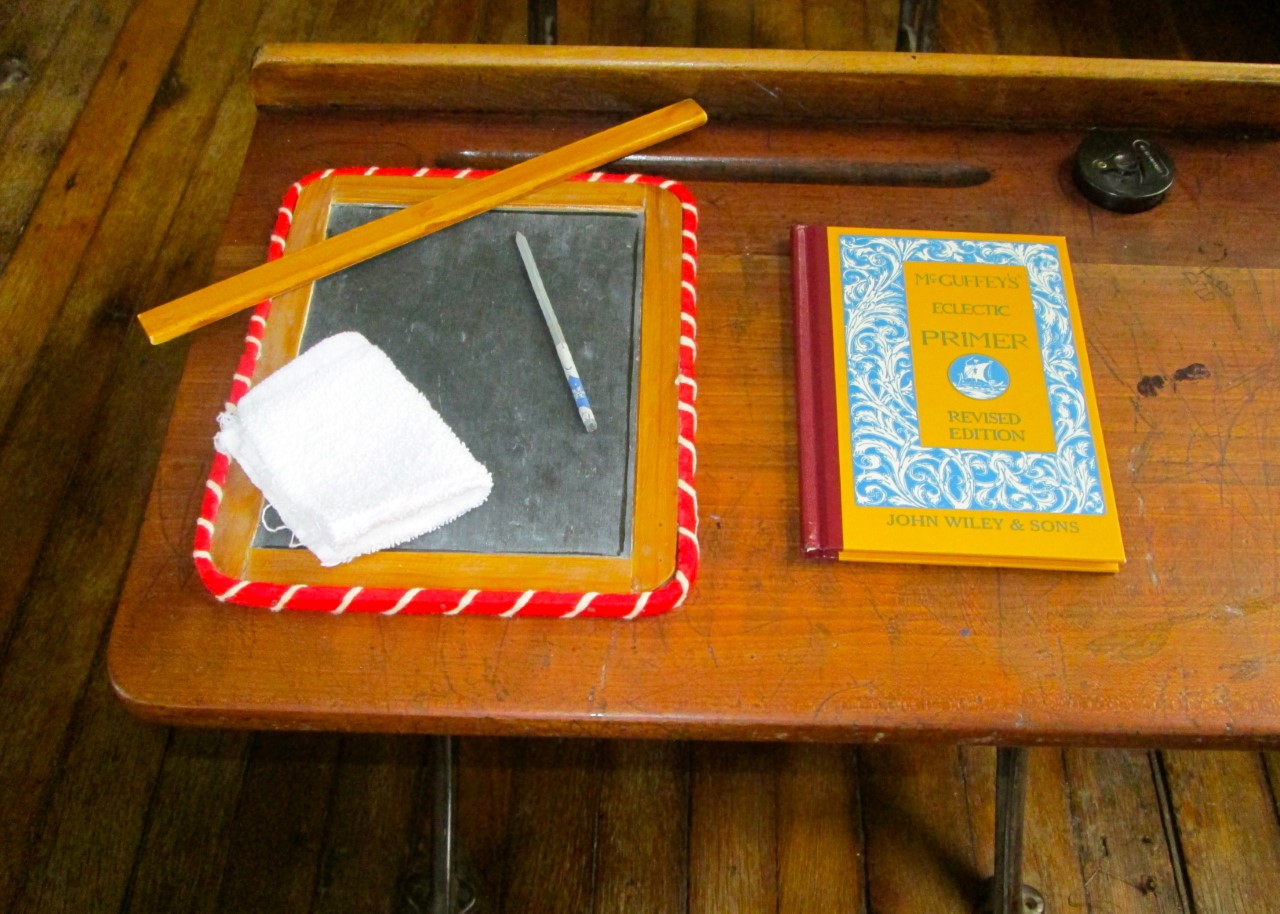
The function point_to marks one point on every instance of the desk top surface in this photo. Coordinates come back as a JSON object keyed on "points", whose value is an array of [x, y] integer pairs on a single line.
{"points": [[1182, 646]]}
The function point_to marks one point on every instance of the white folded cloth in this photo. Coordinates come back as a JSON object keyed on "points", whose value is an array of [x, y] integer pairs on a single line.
{"points": [[349, 452]]}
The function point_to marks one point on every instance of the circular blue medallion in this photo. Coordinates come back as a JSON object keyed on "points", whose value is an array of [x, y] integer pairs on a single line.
{"points": [[978, 377]]}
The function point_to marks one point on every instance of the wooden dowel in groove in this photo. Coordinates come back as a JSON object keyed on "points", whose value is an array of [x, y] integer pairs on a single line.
{"points": [[779, 169]]}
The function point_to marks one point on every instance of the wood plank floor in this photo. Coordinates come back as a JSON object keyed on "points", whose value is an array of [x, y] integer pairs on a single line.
{"points": [[124, 123]]}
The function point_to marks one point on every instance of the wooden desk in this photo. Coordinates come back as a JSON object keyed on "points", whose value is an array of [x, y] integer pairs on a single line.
{"points": [[1181, 647]]}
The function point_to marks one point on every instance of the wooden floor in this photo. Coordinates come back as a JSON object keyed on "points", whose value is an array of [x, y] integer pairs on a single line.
{"points": [[124, 124]]}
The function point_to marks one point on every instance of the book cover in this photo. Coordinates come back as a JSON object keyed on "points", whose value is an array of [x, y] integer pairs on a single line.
{"points": [[946, 411]]}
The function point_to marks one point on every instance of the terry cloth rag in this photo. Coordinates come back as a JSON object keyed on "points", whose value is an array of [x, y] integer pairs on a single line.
{"points": [[351, 454]]}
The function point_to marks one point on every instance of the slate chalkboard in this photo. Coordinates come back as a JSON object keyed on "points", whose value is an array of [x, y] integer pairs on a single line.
{"points": [[456, 313]]}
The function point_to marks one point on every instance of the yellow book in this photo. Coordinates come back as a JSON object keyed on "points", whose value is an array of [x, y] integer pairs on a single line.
{"points": [[946, 408]]}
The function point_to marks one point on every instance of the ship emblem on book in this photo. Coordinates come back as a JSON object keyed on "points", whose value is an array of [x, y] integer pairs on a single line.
{"points": [[978, 377]]}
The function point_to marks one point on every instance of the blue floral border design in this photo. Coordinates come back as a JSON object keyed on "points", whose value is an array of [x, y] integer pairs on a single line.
{"points": [[891, 468]]}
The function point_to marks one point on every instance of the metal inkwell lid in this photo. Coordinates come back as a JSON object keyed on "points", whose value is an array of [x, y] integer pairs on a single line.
{"points": [[1123, 172]]}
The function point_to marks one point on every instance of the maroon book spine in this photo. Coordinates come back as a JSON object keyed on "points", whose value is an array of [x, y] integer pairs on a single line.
{"points": [[820, 526]]}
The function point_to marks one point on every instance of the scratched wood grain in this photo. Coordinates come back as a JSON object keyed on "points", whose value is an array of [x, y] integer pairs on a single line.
{"points": [[1209, 30], [1061, 633], [86, 788], [48, 654], [485, 806], [967, 27], [724, 24], [82, 846], [733, 869], [1272, 761], [1128, 858], [372, 820], [556, 789], [831, 25], [915, 807], [54, 52], [74, 195], [642, 845], [1188, 458], [65, 384], [670, 23], [80, 184], [1094, 836], [821, 865], [190, 826], [281, 815], [94, 375], [1230, 839]]}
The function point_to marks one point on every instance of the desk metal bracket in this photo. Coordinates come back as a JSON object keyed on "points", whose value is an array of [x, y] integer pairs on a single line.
{"points": [[442, 890], [917, 22], [1005, 893]]}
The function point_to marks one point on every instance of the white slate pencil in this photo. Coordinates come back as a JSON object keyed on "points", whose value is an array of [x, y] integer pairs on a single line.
{"points": [[557, 336]]}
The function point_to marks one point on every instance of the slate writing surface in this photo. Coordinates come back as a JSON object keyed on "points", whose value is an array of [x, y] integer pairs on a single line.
{"points": [[456, 313]]}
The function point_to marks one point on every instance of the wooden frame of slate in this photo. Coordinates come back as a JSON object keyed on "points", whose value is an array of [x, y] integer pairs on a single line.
{"points": [[570, 511]]}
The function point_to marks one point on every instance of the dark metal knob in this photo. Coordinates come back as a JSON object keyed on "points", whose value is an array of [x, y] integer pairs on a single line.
{"points": [[1123, 172]]}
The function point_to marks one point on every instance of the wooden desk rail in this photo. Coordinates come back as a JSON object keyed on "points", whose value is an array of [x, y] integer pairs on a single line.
{"points": [[875, 87]]}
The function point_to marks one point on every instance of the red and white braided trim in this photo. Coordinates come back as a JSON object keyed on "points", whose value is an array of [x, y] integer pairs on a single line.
{"points": [[417, 600]]}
